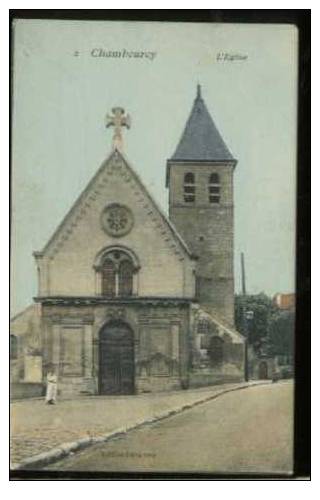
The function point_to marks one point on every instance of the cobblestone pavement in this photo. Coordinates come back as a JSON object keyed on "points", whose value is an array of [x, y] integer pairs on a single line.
{"points": [[37, 427]]}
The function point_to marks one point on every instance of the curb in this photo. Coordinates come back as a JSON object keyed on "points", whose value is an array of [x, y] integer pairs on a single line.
{"points": [[62, 451]]}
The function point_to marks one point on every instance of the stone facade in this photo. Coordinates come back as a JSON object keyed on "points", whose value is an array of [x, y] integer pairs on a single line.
{"points": [[217, 351], [200, 182], [160, 330], [130, 301], [69, 266], [208, 230]]}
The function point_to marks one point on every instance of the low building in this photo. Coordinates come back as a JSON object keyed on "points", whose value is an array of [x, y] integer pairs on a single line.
{"points": [[285, 301]]}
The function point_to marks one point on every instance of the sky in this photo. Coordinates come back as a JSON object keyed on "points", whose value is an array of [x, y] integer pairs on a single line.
{"points": [[62, 93]]}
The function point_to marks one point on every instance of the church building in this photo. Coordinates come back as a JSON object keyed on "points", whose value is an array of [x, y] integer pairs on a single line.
{"points": [[133, 301]]}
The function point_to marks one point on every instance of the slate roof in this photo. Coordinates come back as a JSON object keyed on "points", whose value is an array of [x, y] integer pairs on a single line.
{"points": [[201, 140]]}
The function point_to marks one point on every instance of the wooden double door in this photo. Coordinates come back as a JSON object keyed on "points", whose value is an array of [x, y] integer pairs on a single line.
{"points": [[116, 359]]}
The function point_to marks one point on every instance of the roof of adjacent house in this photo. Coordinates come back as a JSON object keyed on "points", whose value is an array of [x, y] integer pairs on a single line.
{"points": [[285, 300], [201, 140]]}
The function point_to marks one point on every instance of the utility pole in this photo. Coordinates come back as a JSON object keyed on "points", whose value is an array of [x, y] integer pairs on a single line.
{"points": [[243, 275], [244, 318]]}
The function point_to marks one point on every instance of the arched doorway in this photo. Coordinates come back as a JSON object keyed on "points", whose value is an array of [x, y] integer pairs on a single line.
{"points": [[263, 370], [116, 373]]}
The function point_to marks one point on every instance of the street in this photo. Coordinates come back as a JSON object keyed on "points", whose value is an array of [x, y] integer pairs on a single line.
{"points": [[40, 428], [250, 430]]}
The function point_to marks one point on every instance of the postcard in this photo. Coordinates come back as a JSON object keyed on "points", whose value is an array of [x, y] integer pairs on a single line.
{"points": [[153, 247]]}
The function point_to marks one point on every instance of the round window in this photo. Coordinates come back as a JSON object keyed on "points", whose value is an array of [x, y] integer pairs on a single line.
{"points": [[117, 220]]}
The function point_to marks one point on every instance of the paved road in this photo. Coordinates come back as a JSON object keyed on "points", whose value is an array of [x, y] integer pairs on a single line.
{"points": [[249, 430], [37, 427]]}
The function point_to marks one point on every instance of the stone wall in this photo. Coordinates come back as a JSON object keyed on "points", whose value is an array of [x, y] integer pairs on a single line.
{"points": [[261, 368], [217, 362], [33, 369], [68, 347], [208, 230], [25, 327], [161, 344], [67, 266], [162, 355], [16, 370], [25, 390]]}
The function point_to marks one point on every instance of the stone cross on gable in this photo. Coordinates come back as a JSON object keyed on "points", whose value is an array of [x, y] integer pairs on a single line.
{"points": [[118, 120]]}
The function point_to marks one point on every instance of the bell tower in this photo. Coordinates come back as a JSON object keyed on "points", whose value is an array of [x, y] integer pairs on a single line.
{"points": [[200, 182]]}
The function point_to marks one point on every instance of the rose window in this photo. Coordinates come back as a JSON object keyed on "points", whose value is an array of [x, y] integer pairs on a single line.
{"points": [[117, 220]]}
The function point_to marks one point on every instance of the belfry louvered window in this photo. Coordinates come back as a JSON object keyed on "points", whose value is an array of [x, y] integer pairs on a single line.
{"points": [[214, 188], [189, 188]]}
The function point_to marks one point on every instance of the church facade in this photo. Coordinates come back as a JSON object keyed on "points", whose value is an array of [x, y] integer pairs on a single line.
{"points": [[132, 301]]}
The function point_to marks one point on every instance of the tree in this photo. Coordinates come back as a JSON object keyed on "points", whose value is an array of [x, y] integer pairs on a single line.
{"points": [[281, 332], [252, 316], [268, 329]]}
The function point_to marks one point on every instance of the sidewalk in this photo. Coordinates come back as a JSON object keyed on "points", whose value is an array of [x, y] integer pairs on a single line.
{"points": [[55, 431]]}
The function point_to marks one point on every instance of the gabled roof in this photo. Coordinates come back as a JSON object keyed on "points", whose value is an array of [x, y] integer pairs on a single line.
{"points": [[201, 140], [236, 337], [181, 242], [67, 225], [26, 310]]}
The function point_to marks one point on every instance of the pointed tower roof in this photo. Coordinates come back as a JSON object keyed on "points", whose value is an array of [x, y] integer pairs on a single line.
{"points": [[201, 140]]}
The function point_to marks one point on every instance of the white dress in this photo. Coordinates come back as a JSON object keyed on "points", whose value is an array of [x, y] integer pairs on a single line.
{"points": [[51, 392]]}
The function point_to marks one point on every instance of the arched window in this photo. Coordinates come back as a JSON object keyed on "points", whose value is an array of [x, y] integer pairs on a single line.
{"points": [[189, 188], [214, 188], [215, 351], [125, 278], [108, 278], [189, 178], [117, 271], [13, 347]]}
